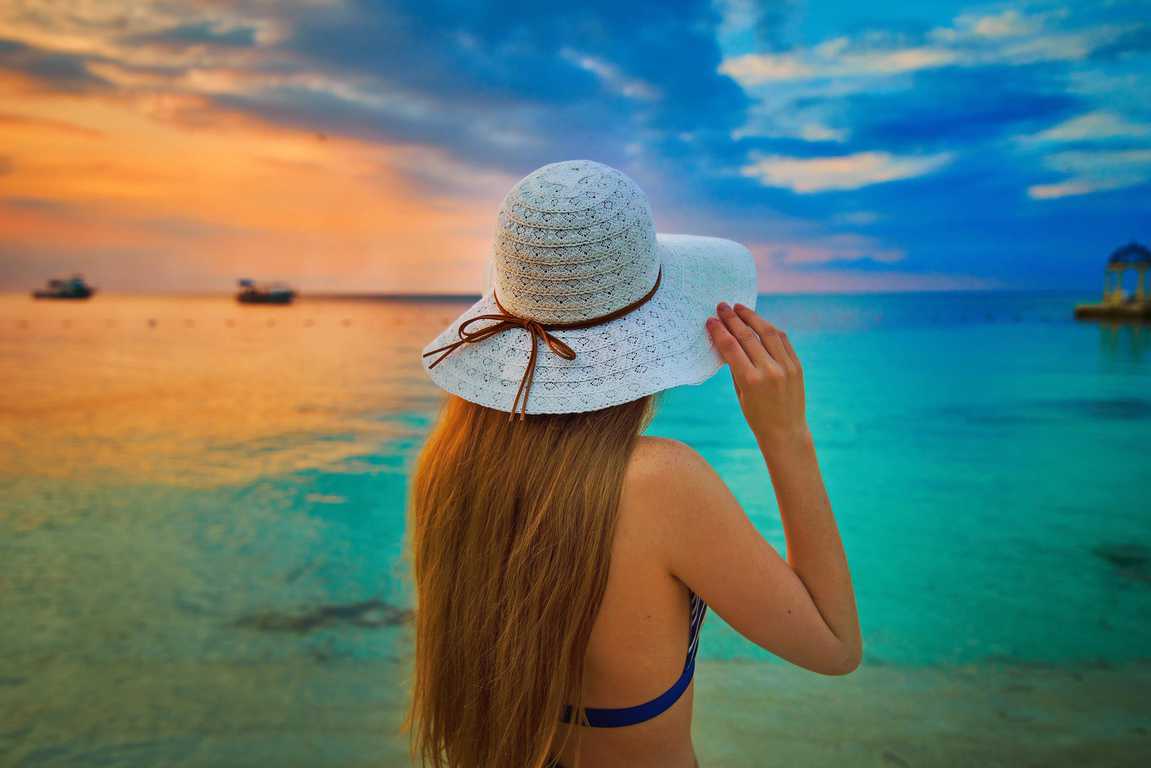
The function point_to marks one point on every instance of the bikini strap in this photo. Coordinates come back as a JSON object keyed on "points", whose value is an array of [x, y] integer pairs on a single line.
{"points": [[618, 717]]}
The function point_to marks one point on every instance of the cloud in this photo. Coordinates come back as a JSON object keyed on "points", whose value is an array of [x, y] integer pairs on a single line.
{"points": [[831, 59], [971, 40], [629, 75], [849, 264], [611, 76], [820, 174], [625, 72], [201, 33], [14, 121], [858, 217], [1097, 151], [164, 34], [33, 204], [1094, 171], [955, 108], [984, 90], [1092, 126], [435, 74], [1131, 42], [458, 106], [63, 71], [1006, 24], [772, 25], [845, 247], [332, 126], [838, 280]]}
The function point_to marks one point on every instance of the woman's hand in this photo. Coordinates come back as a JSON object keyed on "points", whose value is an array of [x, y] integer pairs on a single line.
{"points": [[767, 373]]}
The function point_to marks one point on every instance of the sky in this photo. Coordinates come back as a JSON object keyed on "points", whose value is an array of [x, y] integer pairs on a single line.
{"points": [[365, 146]]}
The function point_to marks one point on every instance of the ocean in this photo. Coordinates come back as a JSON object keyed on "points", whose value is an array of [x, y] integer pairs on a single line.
{"points": [[202, 522]]}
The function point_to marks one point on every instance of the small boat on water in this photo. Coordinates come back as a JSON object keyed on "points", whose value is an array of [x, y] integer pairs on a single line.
{"points": [[252, 292], [73, 287]]}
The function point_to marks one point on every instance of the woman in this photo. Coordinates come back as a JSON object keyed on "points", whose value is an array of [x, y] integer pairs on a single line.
{"points": [[563, 563]]}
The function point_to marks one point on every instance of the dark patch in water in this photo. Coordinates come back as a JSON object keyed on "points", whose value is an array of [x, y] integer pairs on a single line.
{"points": [[892, 758], [1132, 561], [1015, 717], [39, 756], [132, 753], [321, 655], [18, 733], [1113, 409], [12, 681], [1016, 662], [991, 418], [1027, 412], [368, 613], [190, 605]]}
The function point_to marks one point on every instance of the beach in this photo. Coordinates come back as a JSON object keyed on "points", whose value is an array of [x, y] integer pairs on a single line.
{"points": [[895, 717], [201, 532], [340, 713]]}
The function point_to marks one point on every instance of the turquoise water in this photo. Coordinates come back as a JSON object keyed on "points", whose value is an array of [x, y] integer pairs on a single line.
{"points": [[202, 504], [987, 461]]}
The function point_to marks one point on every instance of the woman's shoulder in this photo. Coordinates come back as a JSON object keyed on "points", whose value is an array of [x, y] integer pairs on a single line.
{"points": [[666, 474], [656, 455]]}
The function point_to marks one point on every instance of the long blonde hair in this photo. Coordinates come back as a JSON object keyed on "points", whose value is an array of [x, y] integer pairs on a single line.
{"points": [[511, 526]]}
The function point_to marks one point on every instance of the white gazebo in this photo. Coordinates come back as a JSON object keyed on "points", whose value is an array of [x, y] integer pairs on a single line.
{"points": [[1117, 302]]}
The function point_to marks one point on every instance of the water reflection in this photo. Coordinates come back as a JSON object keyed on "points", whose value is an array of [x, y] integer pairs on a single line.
{"points": [[202, 392], [1121, 342], [201, 531]]}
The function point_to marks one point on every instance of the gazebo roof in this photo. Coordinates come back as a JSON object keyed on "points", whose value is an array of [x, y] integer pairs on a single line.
{"points": [[1132, 253]]}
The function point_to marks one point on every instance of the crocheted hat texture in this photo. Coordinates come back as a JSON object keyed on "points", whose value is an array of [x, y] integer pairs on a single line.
{"points": [[575, 241]]}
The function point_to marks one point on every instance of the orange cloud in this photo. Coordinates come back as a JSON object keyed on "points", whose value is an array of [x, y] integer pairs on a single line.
{"points": [[192, 184]]}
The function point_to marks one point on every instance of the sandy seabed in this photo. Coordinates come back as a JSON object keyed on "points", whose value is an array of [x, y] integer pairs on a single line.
{"points": [[748, 715], [755, 714]]}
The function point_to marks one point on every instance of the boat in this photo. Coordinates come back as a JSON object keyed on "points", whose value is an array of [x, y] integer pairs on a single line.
{"points": [[252, 292], [1117, 304], [73, 287]]}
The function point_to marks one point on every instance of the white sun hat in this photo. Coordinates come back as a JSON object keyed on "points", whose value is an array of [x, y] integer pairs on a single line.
{"points": [[588, 306]]}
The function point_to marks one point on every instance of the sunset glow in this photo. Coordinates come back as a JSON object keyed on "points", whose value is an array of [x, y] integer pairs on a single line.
{"points": [[177, 146]]}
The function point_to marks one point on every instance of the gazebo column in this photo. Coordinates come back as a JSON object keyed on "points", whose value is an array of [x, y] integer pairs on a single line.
{"points": [[1141, 286]]}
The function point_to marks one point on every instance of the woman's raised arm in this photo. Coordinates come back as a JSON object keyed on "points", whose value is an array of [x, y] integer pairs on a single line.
{"points": [[802, 609]]}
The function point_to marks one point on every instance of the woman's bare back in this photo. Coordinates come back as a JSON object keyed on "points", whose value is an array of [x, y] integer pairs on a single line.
{"points": [[640, 638]]}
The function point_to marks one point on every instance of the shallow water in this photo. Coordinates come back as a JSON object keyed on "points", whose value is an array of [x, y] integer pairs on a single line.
{"points": [[201, 523]]}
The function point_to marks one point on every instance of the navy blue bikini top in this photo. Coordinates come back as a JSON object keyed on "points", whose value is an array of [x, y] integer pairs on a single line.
{"points": [[615, 718]]}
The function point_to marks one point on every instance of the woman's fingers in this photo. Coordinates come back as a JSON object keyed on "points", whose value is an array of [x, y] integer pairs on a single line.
{"points": [[748, 342], [748, 315], [771, 336], [774, 339], [791, 351], [729, 349], [774, 344], [746, 336]]}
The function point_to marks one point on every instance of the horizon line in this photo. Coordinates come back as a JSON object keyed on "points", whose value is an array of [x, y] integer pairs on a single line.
{"points": [[473, 296]]}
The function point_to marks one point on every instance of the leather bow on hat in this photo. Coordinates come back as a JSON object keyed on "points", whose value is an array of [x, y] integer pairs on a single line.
{"points": [[537, 331]]}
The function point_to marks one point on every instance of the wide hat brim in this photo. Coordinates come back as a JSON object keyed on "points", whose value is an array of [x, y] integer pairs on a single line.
{"points": [[663, 343]]}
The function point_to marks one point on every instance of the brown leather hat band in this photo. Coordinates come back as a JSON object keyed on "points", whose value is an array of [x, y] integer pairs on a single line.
{"points": [[537, 331]]}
